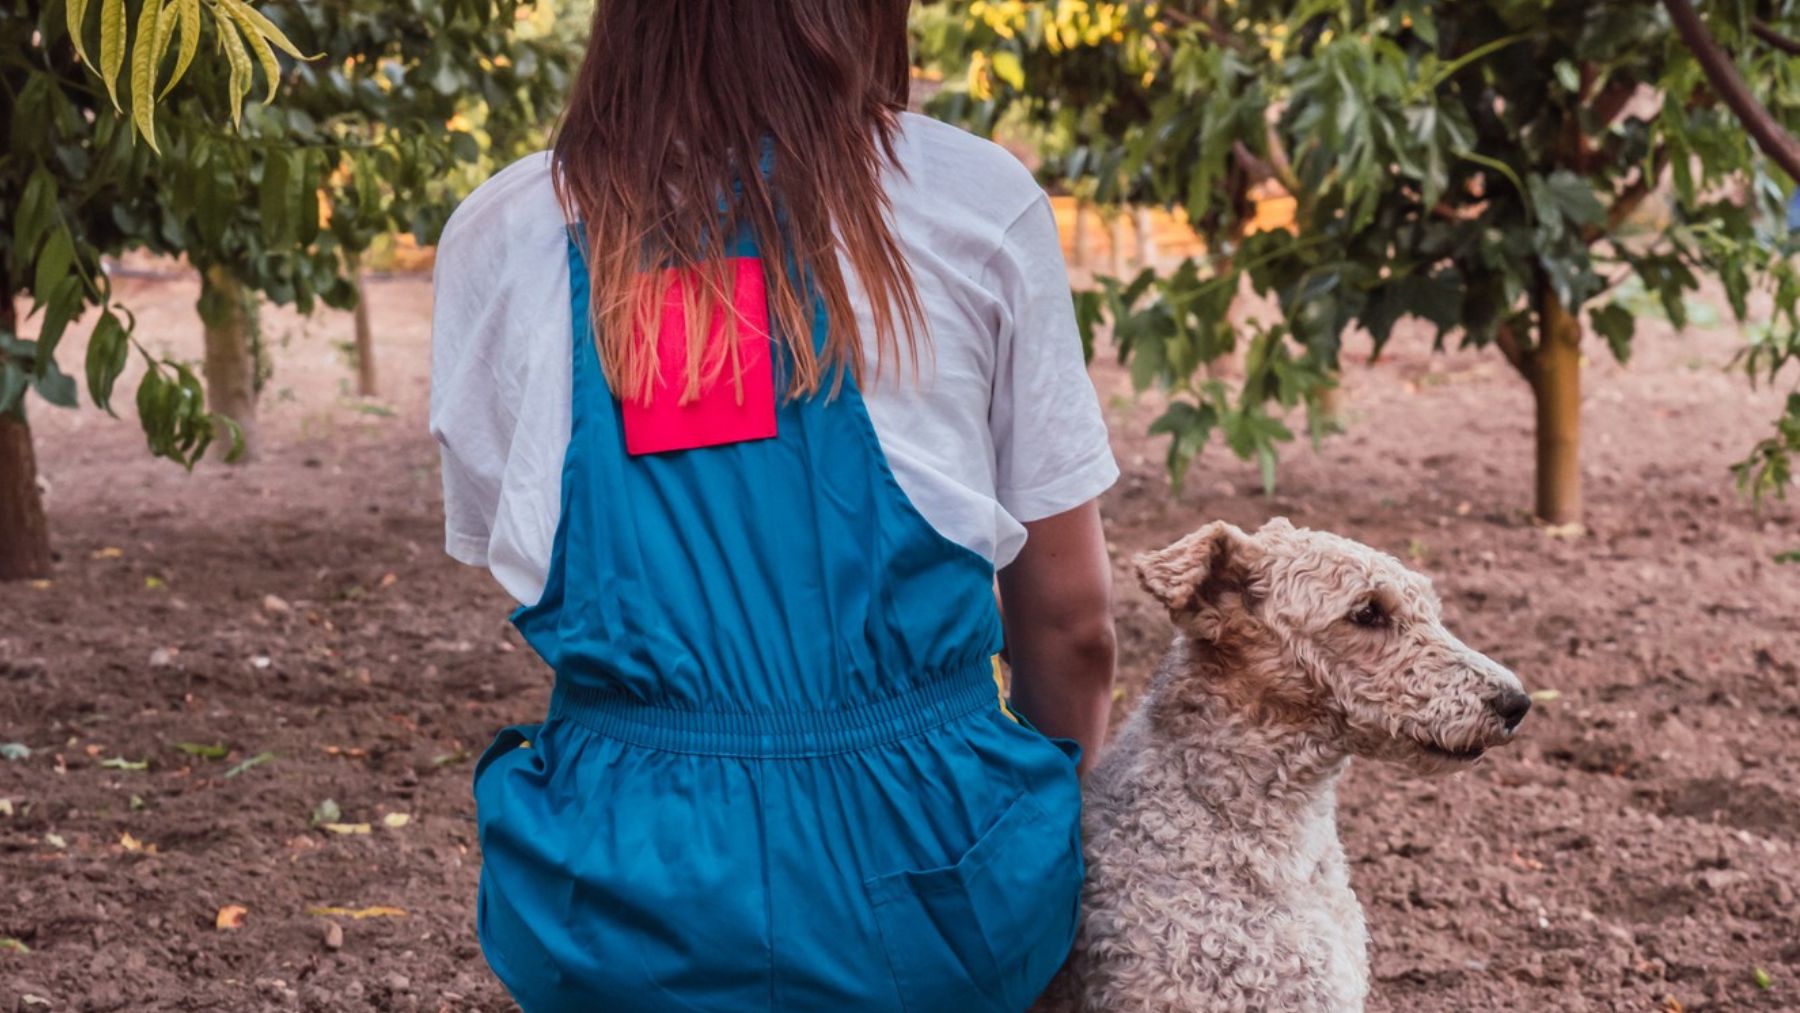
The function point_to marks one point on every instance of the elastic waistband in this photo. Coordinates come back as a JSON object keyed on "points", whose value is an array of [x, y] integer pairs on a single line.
{"points": [[779, 734]]}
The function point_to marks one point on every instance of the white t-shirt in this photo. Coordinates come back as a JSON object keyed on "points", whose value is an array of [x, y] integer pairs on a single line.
{"points": [[1002, 426]]}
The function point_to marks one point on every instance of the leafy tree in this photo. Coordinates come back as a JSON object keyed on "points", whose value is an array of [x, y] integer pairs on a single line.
{"points": [[77, 186], [1476, 164], [366, 141]]}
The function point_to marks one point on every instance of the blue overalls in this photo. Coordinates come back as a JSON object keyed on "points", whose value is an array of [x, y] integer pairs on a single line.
{"points": [[775, 773]]}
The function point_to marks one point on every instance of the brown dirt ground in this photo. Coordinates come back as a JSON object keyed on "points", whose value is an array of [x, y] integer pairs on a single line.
{"points": [[1637, 850]]}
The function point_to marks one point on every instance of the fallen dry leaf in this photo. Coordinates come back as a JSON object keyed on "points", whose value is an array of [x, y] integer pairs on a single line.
{"points": [[346, 828], [1527, 863], [394, 821], [110, 552], [357, 913], [231, 916]]}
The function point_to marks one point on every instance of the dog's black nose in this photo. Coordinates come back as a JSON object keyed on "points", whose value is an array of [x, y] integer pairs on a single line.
{"points": [[1512, 706]]}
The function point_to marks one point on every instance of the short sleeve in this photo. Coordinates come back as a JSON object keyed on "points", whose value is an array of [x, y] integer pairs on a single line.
{"points": [[1050, 441], [474, 411]]}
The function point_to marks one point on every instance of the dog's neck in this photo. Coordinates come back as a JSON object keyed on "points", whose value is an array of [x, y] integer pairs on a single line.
{"points": [[1246, 751]]}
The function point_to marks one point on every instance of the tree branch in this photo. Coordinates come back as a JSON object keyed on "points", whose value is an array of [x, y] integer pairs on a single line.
{"points": [[1766, 32], [1775, 142], [1209, 26], [1508, 343]]}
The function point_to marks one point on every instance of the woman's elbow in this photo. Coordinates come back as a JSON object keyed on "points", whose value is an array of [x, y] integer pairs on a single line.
{"points": [[1091, 642]]}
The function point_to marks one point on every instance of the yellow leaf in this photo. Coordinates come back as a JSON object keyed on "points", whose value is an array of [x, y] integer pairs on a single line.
{"points": [[112, 46], [346, 828], [77, 12], [231, 916], [239, 58], [165, 28], [144, 60], [258, 44], [1007, 68], [254, 21], [394, 821], [130, 843], [41, 585], [1545, 695], [190, 39], [357, 913], [110, 552]]}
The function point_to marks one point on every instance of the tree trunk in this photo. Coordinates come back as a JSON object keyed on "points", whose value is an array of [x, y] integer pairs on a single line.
{"points": [[228, 316], [366, 384], [1115, 243], [1083, 253], [1555, 375], [24, 533], [1331, 402], [1145, 231]]}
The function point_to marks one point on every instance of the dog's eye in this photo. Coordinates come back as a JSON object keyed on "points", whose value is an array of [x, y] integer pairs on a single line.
{"points": [[1370, 615]]}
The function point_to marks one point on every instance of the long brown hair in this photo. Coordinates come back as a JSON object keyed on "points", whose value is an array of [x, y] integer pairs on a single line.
{"points": [[677, 108]]}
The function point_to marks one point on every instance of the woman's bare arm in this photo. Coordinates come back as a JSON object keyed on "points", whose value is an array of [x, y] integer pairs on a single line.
{"points": [[1057, 601]]}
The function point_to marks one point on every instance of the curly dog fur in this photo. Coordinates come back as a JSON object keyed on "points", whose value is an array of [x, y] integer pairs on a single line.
{"points": [[1215, 877]]}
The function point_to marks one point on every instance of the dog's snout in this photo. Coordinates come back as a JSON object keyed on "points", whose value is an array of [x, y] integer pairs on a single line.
{"points": [[1512, 706]]}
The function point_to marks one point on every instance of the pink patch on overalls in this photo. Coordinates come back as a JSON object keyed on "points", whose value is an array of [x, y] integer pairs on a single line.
{"points": [[718, 415]]}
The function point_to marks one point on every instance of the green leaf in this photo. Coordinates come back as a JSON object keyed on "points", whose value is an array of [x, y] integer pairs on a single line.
{"points": [[1616, 324], [63, 304], [112, 46], [274, 202], [216, 751], [325, 812], [121, 763], [152, 43], [55, 386], [53, 263], [108, 347], [1564, 194], [37, 209], [255, 761]]}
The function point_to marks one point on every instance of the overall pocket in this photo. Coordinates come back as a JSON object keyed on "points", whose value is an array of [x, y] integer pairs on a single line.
{"points": [[509, 739], [986, 934]]}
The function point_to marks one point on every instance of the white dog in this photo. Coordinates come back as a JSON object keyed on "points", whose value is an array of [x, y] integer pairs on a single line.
{"points": [[1215, 876]]}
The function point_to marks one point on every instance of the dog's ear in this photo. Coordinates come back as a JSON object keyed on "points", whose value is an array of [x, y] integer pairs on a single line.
{"points": [[1199, 569]]}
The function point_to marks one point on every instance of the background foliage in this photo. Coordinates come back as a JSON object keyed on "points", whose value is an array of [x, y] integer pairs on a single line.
{"points": [[1496, 168], [367, 141]]}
